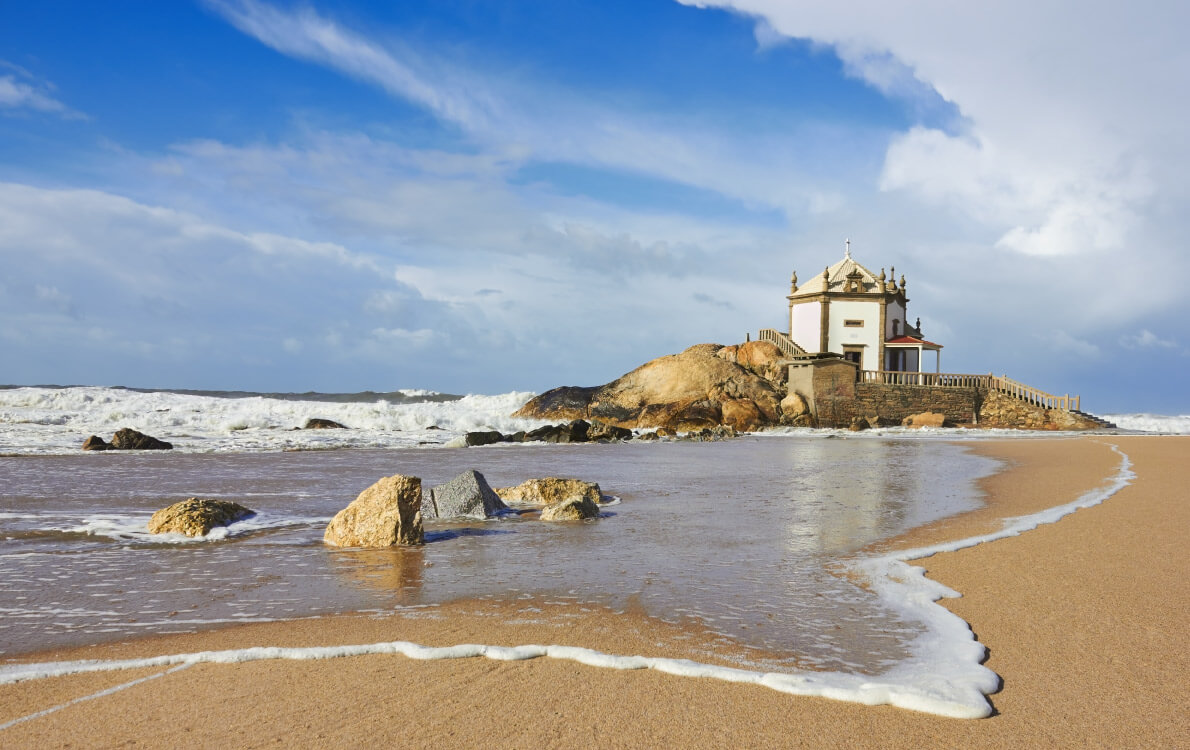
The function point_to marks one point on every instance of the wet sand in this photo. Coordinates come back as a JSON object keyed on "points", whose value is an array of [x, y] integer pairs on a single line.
{"points": [[1085, 621]]}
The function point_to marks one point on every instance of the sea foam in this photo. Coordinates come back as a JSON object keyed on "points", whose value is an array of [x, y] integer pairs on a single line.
{"points": [[57, 420], [945, 675]]}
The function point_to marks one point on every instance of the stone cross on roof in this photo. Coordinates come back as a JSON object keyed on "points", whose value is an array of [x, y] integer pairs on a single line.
{"points": [[847, 252]]}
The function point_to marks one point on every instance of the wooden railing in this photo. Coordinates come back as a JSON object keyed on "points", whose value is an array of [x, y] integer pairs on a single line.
{"points": [[1010, 387], [1000, 384], [783, 342], [936, 379]]}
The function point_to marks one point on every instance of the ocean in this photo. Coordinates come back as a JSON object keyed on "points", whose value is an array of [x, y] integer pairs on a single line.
{"points": [[746, 537]]}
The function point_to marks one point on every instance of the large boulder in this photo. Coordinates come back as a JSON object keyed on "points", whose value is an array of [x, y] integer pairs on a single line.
{"points": [[386, 514], [128, 439], [793, 406], [682, 392], [572, 509], [925, 419], [466, 496], [196, 516], [549, 491]]}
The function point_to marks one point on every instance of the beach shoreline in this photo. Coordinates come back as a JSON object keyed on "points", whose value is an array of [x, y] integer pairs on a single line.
{"points": [[563, 702]]}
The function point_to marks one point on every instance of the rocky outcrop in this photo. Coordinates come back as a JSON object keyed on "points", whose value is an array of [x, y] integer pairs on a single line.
{"points": [[1002, 411], [196, 516], [550, 491], [466, 496], [684, 392], [571, 509], [95, 443], [128, 439], [387, 513], [761, 357], [314, 423]]}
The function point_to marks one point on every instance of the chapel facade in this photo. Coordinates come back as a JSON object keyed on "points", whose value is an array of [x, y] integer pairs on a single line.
{"points": [[850, 311]]}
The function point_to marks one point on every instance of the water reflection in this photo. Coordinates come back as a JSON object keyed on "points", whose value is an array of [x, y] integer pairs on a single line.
{"points": [[396, 573]]}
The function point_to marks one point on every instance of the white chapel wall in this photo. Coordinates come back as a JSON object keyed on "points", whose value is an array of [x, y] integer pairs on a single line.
{"points": [[867, 335], [805, 321]]}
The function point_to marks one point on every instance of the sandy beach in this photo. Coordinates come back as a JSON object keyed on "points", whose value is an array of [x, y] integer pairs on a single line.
{"points": [[1085, 622]]}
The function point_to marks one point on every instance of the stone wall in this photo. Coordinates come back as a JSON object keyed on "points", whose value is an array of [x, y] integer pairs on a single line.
{"points": [[895, 402], [830, 389]]}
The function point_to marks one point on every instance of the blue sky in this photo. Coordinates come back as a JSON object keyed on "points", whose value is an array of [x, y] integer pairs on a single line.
{"points": [[479, 196]]}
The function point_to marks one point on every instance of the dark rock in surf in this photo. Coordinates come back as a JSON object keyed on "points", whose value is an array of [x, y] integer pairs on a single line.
{"points": [[314, 423], [128, 439], [95, 443], [484, 437], [601, 432], [572, 432]]}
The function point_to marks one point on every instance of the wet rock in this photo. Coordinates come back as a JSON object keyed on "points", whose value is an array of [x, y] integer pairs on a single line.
{"points": [[95, 443], [571, 509], [602, 432], [466, 496], [485, 437], [387, 513], [858, 424], [128, 439], [550, 490], [516, 437], [572, 432], [314, 423], [648, 436], [196, 516]]}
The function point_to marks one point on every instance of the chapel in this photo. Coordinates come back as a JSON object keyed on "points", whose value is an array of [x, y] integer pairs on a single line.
{"points": [[850, 311]]}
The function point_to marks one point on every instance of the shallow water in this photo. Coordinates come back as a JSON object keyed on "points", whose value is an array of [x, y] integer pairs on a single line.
{"points": [[737, 535]]}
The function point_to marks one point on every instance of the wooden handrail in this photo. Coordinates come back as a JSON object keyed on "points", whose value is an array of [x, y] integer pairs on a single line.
{"points": [[1000, 384]]}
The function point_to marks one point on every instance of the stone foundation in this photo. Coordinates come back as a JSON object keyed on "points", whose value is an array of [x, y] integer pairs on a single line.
{"points": [[830, 389]]}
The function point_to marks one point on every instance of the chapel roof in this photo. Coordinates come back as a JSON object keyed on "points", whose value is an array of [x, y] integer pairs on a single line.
{"points": [[837, 276]]}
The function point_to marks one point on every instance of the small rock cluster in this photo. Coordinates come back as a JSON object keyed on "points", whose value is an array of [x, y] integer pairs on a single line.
{"points": [[392, 511], [582, 431], [127, 439]]}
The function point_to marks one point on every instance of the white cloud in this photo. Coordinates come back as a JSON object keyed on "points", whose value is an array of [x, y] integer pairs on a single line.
{"points": [[21, 90], [547, 121], [1063, 341], [1073, 132], [1146, 339]]}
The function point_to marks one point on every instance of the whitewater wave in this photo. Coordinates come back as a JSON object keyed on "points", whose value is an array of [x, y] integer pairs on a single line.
{"points": [[1164, 424], [57, 420]]}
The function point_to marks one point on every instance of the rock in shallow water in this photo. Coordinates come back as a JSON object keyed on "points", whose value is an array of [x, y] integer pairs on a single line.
{"points": [[314, 423], [571, 509], [386, 514], [196, 516], [128, 439], [466, 496], [550, 490]]}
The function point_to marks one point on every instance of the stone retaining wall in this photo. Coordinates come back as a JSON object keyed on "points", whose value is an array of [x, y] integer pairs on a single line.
{"points": [[895, 402]]}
